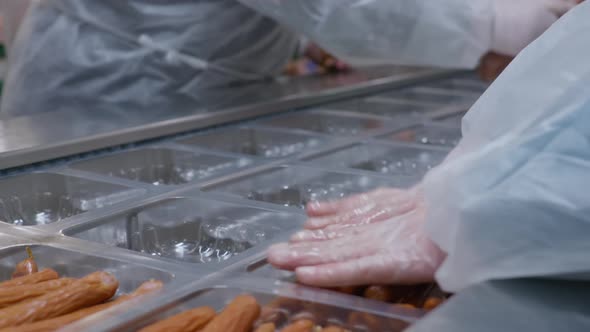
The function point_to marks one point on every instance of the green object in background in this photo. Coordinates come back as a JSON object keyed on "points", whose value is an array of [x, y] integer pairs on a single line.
{"points": [[2, 52]]}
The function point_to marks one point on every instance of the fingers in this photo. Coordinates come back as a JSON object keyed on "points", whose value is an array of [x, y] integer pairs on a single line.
{"points": [[321, 209], [290, 256]]}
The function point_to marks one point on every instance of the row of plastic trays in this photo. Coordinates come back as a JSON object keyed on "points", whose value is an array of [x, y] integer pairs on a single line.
{"points": [[198, 211]]}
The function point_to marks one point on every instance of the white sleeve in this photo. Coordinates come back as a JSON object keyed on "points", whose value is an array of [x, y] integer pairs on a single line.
{"points": [[513, 202], [443, 33]]}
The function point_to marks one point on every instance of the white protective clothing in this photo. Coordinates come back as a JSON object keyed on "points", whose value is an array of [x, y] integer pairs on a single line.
{"points": [[511, 202], [139, 52], [508, 203]]}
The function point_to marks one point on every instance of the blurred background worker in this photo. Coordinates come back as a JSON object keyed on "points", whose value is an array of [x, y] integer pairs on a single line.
{"points": [[141, 52], [503, 222]]}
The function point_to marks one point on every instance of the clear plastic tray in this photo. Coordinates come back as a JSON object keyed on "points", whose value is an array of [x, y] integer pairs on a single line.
{"points": [[431, 134], [161, 166], [281, 304], [192, 230], [43, 198], [381, 107], [258, 142], [451, 120], [431, 96], [74, 264], [384, 158], [459, 84], [295, 186], [327, 123]]}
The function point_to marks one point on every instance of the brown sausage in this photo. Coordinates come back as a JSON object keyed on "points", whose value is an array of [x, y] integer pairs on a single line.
{"points": [[268, 327], [333, 329], [238, 316], [54, 324], [380, 293], [26, 267], [302, 325], [90, 290], [187, 321], [43, 275], [13, 295], [432, 302]]}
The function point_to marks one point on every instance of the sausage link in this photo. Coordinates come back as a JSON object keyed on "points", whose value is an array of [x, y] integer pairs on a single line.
{"points": [[54, 324], [238, 316], [380, 293], [303, 325], [333, 329], [26, 267], [90, 290], [13, 295], [187, 321], [43, 275]]}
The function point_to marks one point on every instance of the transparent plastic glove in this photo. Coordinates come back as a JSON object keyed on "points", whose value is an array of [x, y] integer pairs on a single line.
{"points": [[393, 251], [517, 23], [378, 205]]}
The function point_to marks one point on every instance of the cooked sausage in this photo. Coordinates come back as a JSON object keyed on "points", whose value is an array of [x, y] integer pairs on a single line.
{"points": [[238, 316], [43, 275], [432, 302], [54, 324], [13, 295], [90, 290], [187, 321], [380, 293], [26, 267], [302, 325]]}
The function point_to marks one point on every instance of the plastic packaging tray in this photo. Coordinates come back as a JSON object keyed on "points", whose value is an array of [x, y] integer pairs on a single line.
{"points": [[259, 142], [328, 123], [76, 264], [281, 303], [189, 230], [429, 134], [382, 107], [459, 84], [295, 186], [431, 96], [42, 198], [384, 158], [161, 165]]}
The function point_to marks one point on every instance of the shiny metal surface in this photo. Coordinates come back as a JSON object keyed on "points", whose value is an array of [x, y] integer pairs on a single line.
{"points": [[76, 128]]}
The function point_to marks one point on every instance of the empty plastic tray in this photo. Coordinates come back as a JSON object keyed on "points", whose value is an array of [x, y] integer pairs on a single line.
{"points": [[384, 158], [42, 198], [161, 166], [437, 135], [296, 186], [256, 141], [189, 229]]}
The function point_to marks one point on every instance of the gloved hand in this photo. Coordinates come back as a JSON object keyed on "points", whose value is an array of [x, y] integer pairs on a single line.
{"points": [[395, 251], [374, 206], [517, 23]]}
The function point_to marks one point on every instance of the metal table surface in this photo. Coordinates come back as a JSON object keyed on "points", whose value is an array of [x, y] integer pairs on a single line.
{"points": [[79, 128]]}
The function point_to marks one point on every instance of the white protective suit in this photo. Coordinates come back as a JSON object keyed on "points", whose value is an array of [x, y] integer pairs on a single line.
{"points": [[511, 204], [88, 53]]}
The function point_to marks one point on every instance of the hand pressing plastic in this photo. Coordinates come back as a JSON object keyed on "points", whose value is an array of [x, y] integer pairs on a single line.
{"points": [[395, 251], [367, 208]]}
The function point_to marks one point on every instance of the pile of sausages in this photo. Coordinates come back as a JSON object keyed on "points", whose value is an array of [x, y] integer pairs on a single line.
{"points": [[37, 301], [425, 296]]}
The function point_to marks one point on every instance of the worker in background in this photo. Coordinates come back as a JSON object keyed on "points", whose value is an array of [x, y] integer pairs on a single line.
{"points": [[503, 222], [143, 52]]}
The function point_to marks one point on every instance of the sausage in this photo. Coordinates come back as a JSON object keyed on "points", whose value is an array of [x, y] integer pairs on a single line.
{"points": [[13, 295], [432, 302], [333, 329], [187, 321], [268, 327], [43, 275], [238, 316], [302, 325], [26, 267], [90, 290], [380, 293], [54, 324]]}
